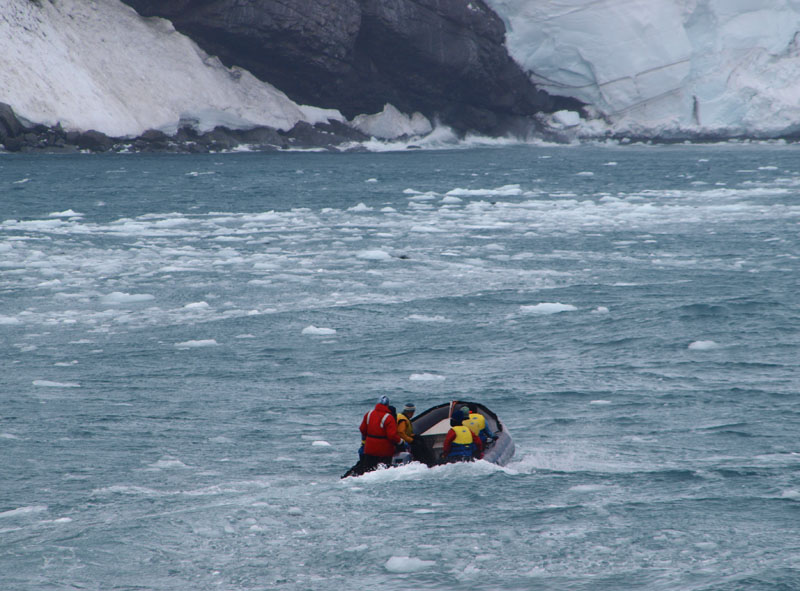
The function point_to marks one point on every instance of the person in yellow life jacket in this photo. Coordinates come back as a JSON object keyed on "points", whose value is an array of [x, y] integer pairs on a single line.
{"points": [[477, 423], [461, 444], [404, 427]]}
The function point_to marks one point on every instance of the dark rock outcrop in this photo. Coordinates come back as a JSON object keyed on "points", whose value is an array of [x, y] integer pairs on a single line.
{"points": [[10, 126], [15, 136], [445, 58], [94, 141]]}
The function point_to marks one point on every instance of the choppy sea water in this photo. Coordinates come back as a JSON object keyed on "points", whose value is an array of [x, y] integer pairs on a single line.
{"points": [[188, 344]]}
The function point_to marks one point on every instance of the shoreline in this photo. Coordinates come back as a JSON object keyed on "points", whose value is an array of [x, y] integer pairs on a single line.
{"points": [[333, 136]]}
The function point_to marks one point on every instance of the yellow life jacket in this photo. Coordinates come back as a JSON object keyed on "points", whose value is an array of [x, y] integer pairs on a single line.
{"points": [[401, 417], [463, 435], [404, 427], [476, 422]]}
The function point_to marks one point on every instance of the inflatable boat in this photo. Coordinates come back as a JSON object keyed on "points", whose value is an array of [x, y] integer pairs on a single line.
{"points": [[431, 427]]}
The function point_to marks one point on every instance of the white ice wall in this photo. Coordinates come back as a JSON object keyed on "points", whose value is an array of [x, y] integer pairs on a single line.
{"points": [[99, 65], [661, 65]]}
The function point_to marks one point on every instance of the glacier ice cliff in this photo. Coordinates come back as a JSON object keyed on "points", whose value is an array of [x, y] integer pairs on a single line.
{"points": [[666, 68]]}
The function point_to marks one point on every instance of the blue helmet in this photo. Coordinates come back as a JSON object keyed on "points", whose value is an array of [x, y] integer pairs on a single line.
{"points": [[384, 400]]}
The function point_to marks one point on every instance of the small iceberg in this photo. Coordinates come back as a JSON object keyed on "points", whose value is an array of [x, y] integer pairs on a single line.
{"points": [[197, 344], [318, 331], [703, 345], [405, 564], [547, 308]]}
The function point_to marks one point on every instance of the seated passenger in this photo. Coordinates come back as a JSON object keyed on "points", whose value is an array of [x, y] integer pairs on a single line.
{"points": [[477, 424], [404, 427], [461, 444]]}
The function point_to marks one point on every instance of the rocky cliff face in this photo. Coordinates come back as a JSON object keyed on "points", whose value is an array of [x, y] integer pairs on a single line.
{"points": [[445, 58]]}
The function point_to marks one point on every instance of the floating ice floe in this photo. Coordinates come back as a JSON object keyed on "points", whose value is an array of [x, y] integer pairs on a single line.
{"points": [[547, 308], [405, 564], [586, 488], [504, 191], [220, 439], [374, 255], [168, 463], [69, 213], [424, 318], [451, 200], [197, 344], [703, 345], [318, 331], [119, 298], [23, 511], [425, 377], [196, 306], [50, 384]]}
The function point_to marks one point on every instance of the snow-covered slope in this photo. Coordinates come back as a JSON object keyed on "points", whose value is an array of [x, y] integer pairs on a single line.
{"points": [[98, 65], [666, 66]]}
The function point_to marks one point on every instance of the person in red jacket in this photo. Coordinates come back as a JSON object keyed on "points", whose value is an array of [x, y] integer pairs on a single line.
{"points": [[379, 432]]}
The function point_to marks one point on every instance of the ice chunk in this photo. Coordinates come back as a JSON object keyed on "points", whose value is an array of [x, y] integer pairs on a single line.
{"points": [[120, 298], [504, 191], [317, 331], [391, 124], [703, 345], [197, 344], [547, 308], [50, 384], [425, 377], [65, 214], [566, 118], [23, 511], [374, 255], [168, 463], [196, 306], [405, 564]]}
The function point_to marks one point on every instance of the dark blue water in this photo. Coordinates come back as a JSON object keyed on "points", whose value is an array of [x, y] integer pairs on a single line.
{"points": [[188, 344]]}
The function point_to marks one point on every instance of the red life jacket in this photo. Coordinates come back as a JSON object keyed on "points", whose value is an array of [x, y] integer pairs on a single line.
{"points": [[379, 430]]}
